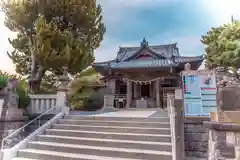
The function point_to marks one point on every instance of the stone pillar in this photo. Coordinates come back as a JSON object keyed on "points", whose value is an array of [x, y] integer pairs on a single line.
{"points": [[62, 100], [109, 101], [150, 89], [112, 85], [154, 90], [129, 94], [237, 152], [135, 94], [157, 85]]}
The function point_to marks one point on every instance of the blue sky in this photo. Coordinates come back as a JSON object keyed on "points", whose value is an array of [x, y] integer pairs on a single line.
{"points": [[159, 21]]}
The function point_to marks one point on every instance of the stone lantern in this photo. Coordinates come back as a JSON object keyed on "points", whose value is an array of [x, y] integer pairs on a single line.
{"points": [[187, 67], [62, 99]]}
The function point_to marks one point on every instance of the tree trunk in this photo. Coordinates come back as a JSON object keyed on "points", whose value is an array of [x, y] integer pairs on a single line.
{"points": [[36, 79], [32, 81], [34, 86], [33, 58]]}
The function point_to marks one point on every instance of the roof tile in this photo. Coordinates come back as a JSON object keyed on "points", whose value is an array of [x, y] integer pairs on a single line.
{"points": [[150, 63]]}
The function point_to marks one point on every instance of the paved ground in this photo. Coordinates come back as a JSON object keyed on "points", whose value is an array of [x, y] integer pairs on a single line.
{"points": [[140, 113]]}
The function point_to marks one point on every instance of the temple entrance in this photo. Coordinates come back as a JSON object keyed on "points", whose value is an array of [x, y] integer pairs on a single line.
{"points": [[123, 89], [145, 90]]}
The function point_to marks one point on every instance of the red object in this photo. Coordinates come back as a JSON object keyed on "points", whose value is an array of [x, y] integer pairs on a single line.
{"points": [[184, 88]]}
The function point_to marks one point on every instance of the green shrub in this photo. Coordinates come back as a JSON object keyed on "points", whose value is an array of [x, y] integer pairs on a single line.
{"points": [[92, 102], [3, 81], [24, 99]]}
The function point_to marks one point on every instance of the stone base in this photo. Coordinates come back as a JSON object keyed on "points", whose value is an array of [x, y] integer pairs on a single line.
{"points": [[109, 109], [65, 110], [226, 117], [13, 114], [196, 138]]}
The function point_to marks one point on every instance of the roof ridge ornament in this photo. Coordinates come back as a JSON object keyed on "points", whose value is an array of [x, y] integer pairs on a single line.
{"points": [[144, 42]]}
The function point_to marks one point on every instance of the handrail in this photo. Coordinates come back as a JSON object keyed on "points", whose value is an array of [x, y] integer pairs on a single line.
{"points": [[172, 126], [18, 130]]}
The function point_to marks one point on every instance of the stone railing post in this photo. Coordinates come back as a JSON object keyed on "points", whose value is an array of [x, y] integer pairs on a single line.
{"points": [[172, 115], [237, 152], [223, 140], [62, 100]]}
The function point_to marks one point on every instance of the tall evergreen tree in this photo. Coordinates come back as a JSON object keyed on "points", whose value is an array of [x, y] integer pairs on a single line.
{"points": [[223, 46], [53, 34]]}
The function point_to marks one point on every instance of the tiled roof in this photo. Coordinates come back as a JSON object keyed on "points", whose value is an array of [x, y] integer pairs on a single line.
{"points": [[167, 51], [151, 63], [182, 59], [143, 63], [162, 56]]}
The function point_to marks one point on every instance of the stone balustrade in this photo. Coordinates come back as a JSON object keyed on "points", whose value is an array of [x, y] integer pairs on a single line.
{"points": [[224, 141], [41, 102]]}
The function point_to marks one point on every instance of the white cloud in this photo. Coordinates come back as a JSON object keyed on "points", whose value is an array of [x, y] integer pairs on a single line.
{"points": [[189, 45], [124, 4], [5, 62], [220, 11], [110, 47], [117, 11]]}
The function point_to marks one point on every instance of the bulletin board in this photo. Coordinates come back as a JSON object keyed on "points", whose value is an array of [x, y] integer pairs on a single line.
{"points": [[199, 93]]}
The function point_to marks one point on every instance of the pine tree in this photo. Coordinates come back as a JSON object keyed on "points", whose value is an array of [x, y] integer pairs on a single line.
{"points": [[223, 46], [53, 34]]}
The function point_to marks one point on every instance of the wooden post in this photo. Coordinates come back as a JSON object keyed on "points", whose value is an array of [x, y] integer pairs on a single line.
{"points": [[158, 93], [150, 89], [135, 90], [129, 94]]}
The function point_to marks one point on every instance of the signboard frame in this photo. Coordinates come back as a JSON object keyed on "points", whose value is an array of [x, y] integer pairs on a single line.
{"points": [[198, 114]]}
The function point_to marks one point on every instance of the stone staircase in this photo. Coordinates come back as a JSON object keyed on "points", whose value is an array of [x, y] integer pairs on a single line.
{"points": [[102, 138]]}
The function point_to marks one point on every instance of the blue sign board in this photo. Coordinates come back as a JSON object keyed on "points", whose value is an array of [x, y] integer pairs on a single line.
{"points": [[199, 94]]}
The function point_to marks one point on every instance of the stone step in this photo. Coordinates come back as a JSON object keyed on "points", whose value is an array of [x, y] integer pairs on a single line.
{"points": [[116, 123], [17, 158], [160, 146], [118, 129], [101, 151], [164, 118], [53, 155], [110, 135]]}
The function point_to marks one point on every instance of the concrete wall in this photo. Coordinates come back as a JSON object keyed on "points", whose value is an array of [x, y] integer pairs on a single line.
{"points": [[196, 139], [8, 127], [228, 98], [179, 130]]}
